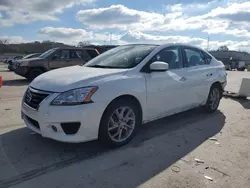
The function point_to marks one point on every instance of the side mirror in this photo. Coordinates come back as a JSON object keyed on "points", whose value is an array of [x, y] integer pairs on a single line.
{"points": [[159, 66]]}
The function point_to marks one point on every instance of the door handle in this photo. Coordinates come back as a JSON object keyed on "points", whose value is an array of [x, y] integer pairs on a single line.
{"points": [[210, 74]]}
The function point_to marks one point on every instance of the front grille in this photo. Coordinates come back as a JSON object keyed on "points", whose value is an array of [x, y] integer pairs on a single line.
{"points": [[33, 122], [33, 98]]}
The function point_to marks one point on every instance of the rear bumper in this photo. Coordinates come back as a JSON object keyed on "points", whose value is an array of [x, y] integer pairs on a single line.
{"points": [[22, 71], [223, 85]]}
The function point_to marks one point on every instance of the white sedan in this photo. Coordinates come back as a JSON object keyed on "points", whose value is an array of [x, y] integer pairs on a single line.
{"points": [[113, 95]]}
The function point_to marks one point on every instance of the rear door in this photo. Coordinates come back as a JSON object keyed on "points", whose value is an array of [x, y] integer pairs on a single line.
{"points": [[199, 74]]}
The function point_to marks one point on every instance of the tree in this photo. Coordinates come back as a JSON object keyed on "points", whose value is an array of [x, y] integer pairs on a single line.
{"points": [[4, 41], [83, 43], [223, 48]]}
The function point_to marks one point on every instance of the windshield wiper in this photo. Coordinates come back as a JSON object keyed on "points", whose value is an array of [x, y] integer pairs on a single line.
{"points": [[102, 66]]}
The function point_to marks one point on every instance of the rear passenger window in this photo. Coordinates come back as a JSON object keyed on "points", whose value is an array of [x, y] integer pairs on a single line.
{"points": [[85, 56], [92, 53], [170, 56], [75, 54], [194, 57]]}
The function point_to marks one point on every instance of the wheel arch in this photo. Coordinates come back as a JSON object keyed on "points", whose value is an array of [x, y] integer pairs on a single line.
{"points": [[218, 84], [40, 68], [125, 97]]}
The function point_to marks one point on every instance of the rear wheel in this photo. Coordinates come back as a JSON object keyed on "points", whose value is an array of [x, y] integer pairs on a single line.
{"points": [[119, 123], [213, 99], [33, 73], [241, 69]]}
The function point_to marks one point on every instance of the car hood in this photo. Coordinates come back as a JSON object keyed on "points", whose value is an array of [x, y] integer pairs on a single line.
{"points": [[31, 59], [68, 78]]}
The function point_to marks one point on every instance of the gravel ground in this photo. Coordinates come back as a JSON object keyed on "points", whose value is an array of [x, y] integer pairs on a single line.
{"points": [[162, 155]]}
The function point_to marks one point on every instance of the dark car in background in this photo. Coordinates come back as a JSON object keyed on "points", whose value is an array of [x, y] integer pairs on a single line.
{"points": [[14, 61], [10, 59], [53, 59]]}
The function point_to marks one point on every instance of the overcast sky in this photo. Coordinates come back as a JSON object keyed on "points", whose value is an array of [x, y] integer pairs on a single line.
{"points": [[226, 22]]}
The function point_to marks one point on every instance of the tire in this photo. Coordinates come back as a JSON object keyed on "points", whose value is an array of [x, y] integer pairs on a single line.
{"points": [[242, 69], [109, 129], [213, 100], [33, 73], [10, 67]]}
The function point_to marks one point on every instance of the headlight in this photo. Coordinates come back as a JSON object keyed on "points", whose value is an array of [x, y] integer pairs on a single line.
{"points": [[75, 97]]}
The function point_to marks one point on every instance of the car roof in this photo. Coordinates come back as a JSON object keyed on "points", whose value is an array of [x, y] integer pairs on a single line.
{"points": [[75, 48], [182, 44], [168, 45]]}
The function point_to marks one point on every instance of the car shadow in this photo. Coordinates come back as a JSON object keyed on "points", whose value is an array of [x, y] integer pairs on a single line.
{"points": [[16, 82], [245, 103], [31, 155]]}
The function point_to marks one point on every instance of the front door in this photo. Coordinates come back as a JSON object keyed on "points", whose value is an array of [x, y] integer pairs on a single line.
{"points": [[167, 92], [60, 59]]}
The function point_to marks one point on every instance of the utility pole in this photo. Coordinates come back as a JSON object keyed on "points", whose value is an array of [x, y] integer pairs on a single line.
{"points": [[208, 43], [110, 39]]}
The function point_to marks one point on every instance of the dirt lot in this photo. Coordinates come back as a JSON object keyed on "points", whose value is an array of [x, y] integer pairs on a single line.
{"points": [[162, 154]]}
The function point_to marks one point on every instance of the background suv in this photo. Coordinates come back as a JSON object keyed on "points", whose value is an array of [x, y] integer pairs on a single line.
{"points": [[53, 59]]}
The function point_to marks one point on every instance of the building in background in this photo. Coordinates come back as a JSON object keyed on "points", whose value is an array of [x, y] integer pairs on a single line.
{"points": [[232, 57]]}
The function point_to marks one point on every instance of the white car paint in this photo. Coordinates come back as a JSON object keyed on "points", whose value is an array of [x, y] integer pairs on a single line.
{"points": [[159, 94]]}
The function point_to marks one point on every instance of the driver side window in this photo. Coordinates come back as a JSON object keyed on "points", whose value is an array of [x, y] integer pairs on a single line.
{"points": [[171, 56], [61, 55]]}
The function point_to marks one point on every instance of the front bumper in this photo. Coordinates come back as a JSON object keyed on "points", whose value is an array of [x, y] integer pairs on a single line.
{"points": [[21, 70], [10, 67], [46, 117]]}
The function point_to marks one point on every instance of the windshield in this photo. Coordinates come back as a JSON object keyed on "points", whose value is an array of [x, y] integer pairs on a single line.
{"points": [[47, 53], [127, 56]]}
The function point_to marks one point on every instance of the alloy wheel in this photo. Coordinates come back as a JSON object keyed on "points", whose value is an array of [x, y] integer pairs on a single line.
{"points": [[121, 124], [214, 98]]}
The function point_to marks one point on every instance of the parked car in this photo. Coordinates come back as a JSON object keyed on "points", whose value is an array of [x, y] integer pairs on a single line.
{"points": [[6, 60], [10, 60], [239, 65], [53, 59], [113, 94], [13, 63]]}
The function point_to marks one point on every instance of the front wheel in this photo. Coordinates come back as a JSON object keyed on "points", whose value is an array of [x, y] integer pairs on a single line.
{"points": [[119, 123], [33, 73], [213, 99]]}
